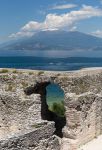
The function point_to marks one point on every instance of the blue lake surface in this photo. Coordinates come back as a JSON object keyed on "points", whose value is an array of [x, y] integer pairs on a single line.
{"points": [[54, 94], [56, 64]]}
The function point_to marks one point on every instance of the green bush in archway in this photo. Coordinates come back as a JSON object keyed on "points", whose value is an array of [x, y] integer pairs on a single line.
{"points": [[58, 108]]}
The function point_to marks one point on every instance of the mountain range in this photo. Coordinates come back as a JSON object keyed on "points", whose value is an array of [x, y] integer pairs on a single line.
{"points": [[56, 40]]}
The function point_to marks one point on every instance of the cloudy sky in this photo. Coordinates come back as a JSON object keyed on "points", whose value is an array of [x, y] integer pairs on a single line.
{"points": [[20, 18]]}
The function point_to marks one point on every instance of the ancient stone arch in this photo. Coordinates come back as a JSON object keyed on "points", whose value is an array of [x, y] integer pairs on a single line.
{"points": [[83, 107], [46, 114]]}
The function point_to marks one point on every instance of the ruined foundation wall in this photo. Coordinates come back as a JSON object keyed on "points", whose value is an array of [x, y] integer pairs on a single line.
{"points": [[83, 103], [84, 118], [21, 112]]}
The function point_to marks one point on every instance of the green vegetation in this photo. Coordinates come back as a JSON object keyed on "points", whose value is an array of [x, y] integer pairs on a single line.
{"points": [[31, 73], [3, 71], [14, 77], [39, 125], [36, 125], [58, 108], [5, 76], [40, 73], [15, 71]]}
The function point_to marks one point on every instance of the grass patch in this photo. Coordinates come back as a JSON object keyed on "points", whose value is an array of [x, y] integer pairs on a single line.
{"points": [[14, 77], [40, 73], [39, 125], [3, 71], [58, 108], [31, 73], [14, 71]]}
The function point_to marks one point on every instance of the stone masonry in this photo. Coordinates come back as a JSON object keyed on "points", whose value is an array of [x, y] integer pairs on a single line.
{"points": [[27, 124]]}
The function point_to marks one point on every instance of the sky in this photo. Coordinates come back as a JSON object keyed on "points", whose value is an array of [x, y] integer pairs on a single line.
{"points": [[23, 18]]}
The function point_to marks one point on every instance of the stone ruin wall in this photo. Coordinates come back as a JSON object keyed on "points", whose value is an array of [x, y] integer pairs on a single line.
{"points": [[21, 124], [83, 104]]}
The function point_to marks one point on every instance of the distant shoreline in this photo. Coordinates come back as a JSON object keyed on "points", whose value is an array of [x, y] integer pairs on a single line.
{"points": [[47, 71]]}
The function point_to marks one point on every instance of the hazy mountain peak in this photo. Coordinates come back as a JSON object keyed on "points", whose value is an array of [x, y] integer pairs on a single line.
{"points": [[57, 40]]}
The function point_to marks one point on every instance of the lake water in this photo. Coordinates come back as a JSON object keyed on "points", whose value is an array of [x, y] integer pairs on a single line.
{"points": [[54, 94], [56, 64]]}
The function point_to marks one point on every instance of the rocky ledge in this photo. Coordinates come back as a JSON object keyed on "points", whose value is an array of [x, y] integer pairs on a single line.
{"points": [[27, 124]]}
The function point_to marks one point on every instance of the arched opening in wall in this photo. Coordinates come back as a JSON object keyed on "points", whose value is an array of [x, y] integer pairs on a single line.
{"points": [[52, 104], [55, 102], [55, 99]]}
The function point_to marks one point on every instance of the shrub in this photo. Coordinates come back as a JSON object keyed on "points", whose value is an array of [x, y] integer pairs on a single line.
{"points": [[14, 77], [3, 71], [31, 73], [15, 71], [40, 73], [58, 108]]}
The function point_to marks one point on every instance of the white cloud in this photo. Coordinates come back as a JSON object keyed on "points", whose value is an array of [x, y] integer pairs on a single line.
{"points": [[66, 6], [21, 34], [97, 33], [65, 21], [32, 26]]}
